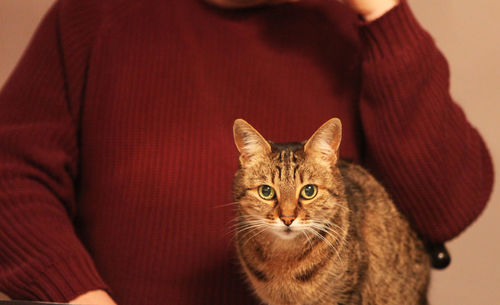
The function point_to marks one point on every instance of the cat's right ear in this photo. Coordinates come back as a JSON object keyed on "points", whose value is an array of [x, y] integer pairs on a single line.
{"points": [[250, 143]]}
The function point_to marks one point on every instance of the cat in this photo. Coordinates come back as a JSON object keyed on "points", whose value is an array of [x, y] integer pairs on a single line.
{"points": [[314, 229]]}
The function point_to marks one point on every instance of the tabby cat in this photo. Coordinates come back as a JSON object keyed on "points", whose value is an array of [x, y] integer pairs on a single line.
{"points": [[313, 229]]}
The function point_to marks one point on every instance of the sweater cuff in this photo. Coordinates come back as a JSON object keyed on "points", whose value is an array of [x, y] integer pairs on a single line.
{"points": [[58, 282], [394, 33]]}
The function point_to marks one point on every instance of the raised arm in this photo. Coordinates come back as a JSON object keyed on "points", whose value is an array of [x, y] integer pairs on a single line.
{"points": [[41, 257], [418, 141]]}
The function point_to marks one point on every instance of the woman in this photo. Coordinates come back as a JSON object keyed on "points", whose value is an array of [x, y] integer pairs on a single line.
{"points": [[116, 145]]}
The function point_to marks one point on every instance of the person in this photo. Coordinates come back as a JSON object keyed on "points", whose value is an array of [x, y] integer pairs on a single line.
{"points": [[116, 152]]}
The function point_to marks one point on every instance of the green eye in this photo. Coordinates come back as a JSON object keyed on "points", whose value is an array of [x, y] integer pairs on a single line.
{"points": [[309, 191], [266, 192]]}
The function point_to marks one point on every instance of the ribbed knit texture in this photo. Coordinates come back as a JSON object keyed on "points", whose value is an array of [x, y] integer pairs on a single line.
{"points": [[423, 135], [116, 150]]}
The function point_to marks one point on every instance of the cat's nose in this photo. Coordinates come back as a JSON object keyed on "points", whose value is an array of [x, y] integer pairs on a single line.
{"points": [[287, 220]]}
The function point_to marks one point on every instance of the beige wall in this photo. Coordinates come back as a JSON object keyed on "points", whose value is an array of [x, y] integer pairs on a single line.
{"points": [[468, 34]]}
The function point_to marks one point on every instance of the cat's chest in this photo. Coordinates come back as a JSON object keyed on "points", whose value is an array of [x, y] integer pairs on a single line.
{"points": [[283, 287], [291, 278]]}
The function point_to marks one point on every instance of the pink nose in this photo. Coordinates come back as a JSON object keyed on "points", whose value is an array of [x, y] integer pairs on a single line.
{"points": [[287, 220]]}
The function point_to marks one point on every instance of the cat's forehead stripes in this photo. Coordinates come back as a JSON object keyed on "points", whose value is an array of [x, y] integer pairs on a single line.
{"points": [[286, 159], [286, 165]]}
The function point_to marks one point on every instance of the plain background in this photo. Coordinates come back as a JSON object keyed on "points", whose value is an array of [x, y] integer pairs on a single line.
{"points": [[468, 34]]}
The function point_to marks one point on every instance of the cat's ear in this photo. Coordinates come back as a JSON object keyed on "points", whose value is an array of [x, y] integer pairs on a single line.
{"points": [[325, 142], [250, 143]]}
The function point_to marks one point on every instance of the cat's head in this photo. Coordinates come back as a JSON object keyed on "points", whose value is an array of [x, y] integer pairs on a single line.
{"points": [[288, 189]]}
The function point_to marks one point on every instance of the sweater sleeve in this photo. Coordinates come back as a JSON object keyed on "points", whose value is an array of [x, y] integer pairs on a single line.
{"points": [[41, 257], [418, 141]]}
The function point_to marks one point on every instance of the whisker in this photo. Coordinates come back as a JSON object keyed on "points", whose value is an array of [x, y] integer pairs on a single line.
{"points": [[225, 205], [244, 223], [255, 235], [245, 226], [342, 206], [249, 227], [331, 246], [307, 238], [328, 230], [333, 234], [331, 224], [242, 218], [337, 226], [244, 231]]}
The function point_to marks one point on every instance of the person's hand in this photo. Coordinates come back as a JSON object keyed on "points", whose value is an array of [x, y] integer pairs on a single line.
{"points": [[94, 297], [245, 3], [4, 297], [370, 9]]}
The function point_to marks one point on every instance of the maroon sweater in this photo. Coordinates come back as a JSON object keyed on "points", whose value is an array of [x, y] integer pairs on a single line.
{"points": [[116, 149]]}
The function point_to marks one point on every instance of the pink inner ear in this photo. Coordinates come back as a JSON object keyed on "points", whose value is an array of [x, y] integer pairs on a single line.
{"points": [[241, 140], [325, 141], [248, 140]]}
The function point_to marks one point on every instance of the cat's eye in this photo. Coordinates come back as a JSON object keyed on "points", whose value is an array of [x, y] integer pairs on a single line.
{"points": [[309, 191], [266, 192]]}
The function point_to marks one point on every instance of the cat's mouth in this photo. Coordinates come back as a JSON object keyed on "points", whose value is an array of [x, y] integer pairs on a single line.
{"points": [[286, 233]]}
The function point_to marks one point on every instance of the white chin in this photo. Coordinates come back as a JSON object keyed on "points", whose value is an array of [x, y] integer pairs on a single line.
{"points": [[286, 235]]}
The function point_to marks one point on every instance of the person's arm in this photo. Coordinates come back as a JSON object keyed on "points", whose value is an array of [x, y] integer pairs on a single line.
{"points": [[94, 297], [41, 257], [418, 141]]}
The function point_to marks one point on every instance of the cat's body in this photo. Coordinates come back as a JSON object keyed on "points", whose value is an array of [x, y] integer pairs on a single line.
{"points": [[329, 235]]}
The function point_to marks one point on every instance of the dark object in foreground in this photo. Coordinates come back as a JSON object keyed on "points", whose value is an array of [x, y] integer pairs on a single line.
{"points": [[440, 257]]}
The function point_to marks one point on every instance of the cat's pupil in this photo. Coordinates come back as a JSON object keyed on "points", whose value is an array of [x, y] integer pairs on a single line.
{"points": [[309, 190], [266, 190]]}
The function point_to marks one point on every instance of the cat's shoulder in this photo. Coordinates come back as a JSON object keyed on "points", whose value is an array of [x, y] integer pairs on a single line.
{"points": [[356, 177], [351, 170]]}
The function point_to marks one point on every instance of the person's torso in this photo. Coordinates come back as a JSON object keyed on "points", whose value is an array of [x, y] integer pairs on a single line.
{"points": [[165, 82]]}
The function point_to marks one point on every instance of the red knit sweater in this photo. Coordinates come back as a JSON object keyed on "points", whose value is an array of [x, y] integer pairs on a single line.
{"points": [[116, 149]]}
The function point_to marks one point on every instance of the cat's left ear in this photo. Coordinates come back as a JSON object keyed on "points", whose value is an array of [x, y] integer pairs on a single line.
{"points": [[325, 142], [250, 143]]}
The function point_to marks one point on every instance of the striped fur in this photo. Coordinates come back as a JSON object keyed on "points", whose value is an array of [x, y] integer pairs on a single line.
{"points": [[348, 245]]}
